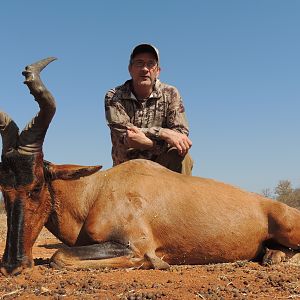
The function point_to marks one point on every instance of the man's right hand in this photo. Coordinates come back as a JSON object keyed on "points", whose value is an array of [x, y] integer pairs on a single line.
{"points": [[176, 139], [135, 138]]}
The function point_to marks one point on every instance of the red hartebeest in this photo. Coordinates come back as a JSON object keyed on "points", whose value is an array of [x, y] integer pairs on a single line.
{"points": [[137, 214]]}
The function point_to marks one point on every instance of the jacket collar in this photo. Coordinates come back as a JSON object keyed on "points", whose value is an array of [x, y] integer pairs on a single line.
{"points": [[126, 92]]}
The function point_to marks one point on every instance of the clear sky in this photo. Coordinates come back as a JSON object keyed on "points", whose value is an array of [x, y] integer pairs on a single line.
{"points": [[235, 63]]}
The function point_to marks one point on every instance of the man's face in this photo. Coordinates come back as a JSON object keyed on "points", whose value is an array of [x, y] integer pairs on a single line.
{"points": [[144, 69]]}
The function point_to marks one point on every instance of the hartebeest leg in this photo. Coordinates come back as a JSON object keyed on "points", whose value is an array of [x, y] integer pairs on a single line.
{"points": [[295, 259], [115, 262], [104, 250], [107, 254], [284, 228], [272, 256], [156, 262], [137, 235]]}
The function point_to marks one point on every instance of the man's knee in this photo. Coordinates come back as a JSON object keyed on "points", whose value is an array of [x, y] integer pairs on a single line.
{"points": [[187, 165], [175, 162]]}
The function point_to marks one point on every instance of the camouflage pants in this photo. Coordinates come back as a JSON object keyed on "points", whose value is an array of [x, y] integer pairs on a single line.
{"points": [[173, 161]]}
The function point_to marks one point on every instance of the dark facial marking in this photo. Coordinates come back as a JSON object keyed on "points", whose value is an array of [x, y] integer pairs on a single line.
{"points": [[13, 254], [17, 169]]}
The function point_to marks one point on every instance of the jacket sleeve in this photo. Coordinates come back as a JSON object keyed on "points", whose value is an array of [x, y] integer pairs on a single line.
{"points": [[152, 132], [176, 117], [116, 116]]}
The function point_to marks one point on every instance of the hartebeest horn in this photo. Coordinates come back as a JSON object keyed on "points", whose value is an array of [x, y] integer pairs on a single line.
{"points": [[32, 137], [9, 132]]}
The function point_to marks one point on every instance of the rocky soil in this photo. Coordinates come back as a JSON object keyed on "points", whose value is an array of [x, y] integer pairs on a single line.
{"points": [[240, 280]]}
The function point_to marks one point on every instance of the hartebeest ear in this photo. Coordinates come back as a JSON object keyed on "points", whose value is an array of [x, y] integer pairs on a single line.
{"points": [[67, 172]]}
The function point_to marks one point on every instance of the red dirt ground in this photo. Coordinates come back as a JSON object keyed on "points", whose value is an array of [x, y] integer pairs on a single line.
{"points": [[240, 280]]}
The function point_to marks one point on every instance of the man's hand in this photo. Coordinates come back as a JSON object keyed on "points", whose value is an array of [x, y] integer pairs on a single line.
{"points": [[135, 138], [176, 139]]}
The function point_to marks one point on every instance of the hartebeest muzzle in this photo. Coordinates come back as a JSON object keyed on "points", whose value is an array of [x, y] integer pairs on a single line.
{"points": [[14, 258]]}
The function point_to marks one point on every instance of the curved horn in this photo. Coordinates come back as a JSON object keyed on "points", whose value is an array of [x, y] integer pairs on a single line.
{"points": [[32, 137], [9, 132]]}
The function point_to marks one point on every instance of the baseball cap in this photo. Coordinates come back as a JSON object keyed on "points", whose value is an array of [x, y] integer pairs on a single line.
{"points": [[142, 48]]}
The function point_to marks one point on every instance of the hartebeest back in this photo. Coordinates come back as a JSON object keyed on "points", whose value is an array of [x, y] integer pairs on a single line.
{"points": [[137, 214]]}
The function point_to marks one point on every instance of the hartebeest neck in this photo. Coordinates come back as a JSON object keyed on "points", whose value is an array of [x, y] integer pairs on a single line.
{"points": [[72, 202]]}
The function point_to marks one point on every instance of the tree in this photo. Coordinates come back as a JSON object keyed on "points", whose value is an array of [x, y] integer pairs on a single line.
{"points": [[286, 194], [297, 197], [267, 193]]}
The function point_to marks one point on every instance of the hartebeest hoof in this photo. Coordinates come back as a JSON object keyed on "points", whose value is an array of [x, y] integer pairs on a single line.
{"points": [[295, 259], [156, 262], [34, 69], [54, 265], [273, 257]]}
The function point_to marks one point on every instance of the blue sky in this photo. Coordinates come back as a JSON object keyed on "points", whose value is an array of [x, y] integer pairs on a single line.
{"points": [[235, 63]]}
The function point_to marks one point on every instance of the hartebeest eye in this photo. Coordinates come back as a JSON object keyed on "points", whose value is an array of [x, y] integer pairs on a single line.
{"points": [[35, 192]]}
